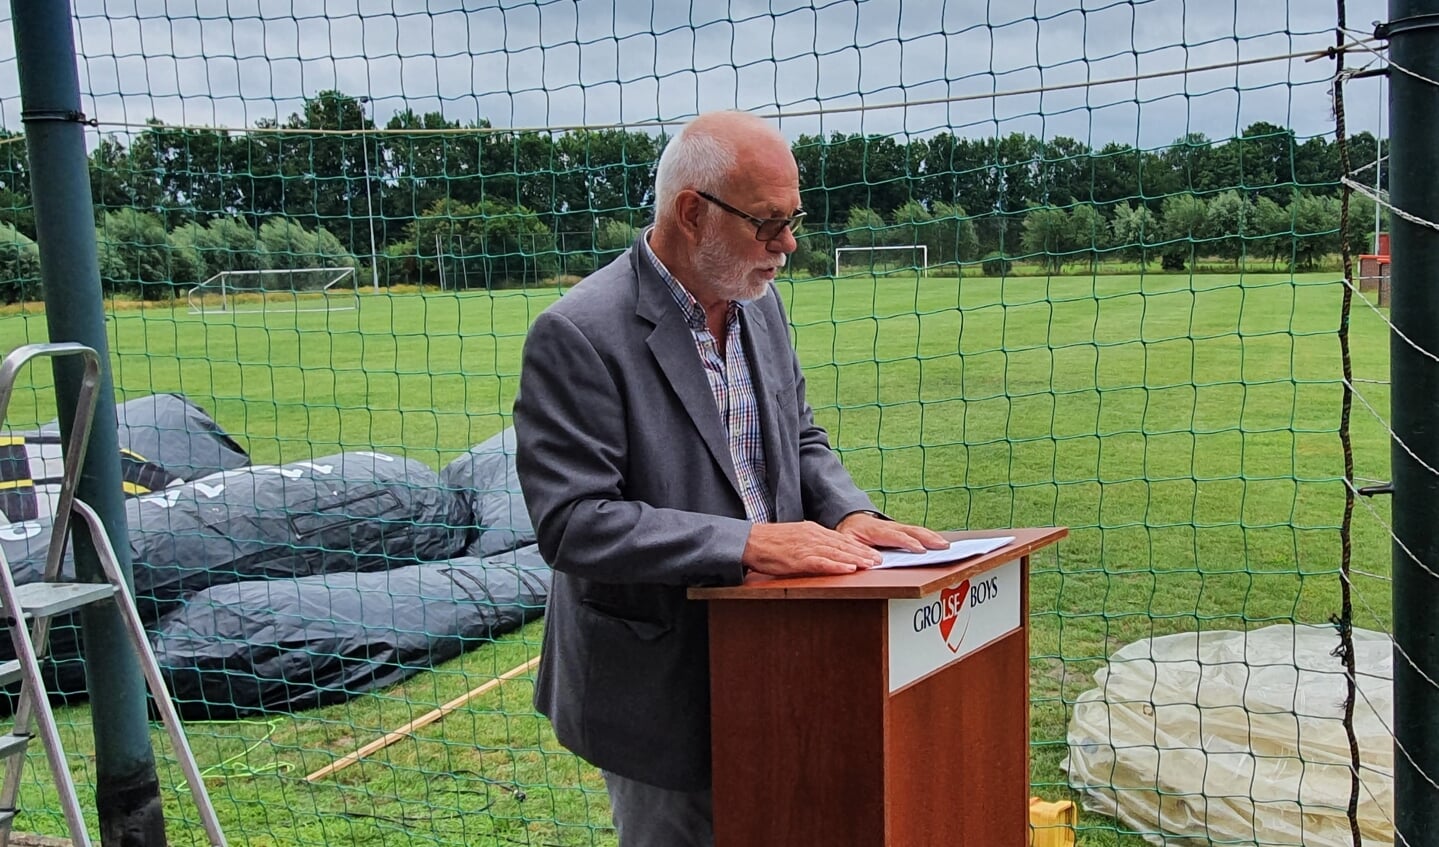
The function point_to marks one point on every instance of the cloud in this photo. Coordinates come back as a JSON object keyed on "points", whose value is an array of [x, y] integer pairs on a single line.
{"points": [[881, 66]]}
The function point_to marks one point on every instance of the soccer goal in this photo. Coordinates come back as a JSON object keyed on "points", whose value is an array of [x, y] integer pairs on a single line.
{"points": [[882, 260], [287, 289]]}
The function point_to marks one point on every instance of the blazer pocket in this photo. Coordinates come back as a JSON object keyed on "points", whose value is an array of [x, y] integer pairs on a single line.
{"points": [[609, 618], [635, 670], [784, 411]]}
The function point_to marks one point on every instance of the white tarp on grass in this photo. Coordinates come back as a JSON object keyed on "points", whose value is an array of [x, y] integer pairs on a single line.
{"points": [[1234, 737]]}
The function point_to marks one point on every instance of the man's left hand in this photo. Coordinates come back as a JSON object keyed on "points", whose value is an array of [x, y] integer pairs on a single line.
{"points": [[878, 532]]}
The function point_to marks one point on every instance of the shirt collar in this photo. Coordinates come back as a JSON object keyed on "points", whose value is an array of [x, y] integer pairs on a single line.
{"points": [[693, 312]]}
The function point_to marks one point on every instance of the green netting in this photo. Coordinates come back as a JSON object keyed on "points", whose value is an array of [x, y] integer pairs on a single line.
{"points": [[1109, 299]]}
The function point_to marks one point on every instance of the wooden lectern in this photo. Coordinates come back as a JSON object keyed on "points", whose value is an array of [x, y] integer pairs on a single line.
{"points": [[886, 707]]}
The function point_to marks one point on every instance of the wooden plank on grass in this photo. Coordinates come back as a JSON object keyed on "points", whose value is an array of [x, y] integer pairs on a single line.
{"points": [[422, 721]]}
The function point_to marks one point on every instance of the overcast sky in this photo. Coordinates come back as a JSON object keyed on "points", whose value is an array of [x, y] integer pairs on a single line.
{"points": [[539, 63]]}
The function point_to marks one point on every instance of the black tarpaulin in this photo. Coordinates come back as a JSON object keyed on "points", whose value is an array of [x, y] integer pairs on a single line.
{"points": [[348, 512], [485, 481], [292, 644], [173, 433]]}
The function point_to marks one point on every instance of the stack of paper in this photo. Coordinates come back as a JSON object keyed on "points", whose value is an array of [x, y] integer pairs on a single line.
{"points": [[954, 552]]}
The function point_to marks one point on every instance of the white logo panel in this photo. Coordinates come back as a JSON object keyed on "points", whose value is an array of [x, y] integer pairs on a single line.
{"points": [[931, 632]]}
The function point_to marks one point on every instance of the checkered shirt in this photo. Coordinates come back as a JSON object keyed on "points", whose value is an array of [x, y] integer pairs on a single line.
{"points": [[733, 390]]}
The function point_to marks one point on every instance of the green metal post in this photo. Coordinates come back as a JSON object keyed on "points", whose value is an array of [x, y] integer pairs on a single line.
{"points": [[1413, 30], [127, 791]]}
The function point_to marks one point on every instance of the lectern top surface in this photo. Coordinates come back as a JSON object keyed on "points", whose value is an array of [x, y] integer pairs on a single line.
{"points": [[890, 583]]}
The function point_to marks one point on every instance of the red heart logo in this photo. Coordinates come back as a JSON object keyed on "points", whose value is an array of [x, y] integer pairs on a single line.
{"points": [[951, 600]]}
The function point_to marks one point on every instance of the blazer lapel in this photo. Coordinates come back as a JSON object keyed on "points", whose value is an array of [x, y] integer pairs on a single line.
{"points": [[757, 340], [673, 346]]}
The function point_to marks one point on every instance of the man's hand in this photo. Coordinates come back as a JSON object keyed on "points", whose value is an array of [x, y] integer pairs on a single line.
{"points": [[795, 549], [878, 532]]}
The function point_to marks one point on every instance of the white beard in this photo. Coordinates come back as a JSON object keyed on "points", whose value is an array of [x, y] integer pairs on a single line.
{"points": [[727, 275]]}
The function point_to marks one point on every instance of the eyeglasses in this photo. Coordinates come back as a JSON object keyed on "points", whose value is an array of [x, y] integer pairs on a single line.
{"points": [[765, 229]]}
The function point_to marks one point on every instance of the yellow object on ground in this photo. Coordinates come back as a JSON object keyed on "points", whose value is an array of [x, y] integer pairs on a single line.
{"points": [[1052, 824]]}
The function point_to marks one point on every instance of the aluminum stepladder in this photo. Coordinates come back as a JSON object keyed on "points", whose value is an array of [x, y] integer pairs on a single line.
{"points": [[38, 602]]}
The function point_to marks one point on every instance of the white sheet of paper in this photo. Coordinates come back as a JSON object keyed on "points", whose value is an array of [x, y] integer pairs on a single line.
{"points": [[957, 550]]}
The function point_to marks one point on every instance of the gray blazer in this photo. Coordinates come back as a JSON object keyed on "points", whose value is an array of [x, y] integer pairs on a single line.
{"points": [[626, 472]]}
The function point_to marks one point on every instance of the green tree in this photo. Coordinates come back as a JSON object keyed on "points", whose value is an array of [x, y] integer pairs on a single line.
{"points": [[1229, 221], [1316, 162], [423, 160], [517, 168], [613, 237], [1362, 154], [809, 157], [1266, 155], [331, 253], [910, 224], [814, 253], [19, 266], [16, 206], [272, 162], [317, 179], [849, 172], [1013, 162], [490, 245], [1089, 233], [1185, 225], [288, 245], [1062, 171], [954, 234], [604, 174], [1274, 231], [224, 244], [137, 256], [114, 182], [1114, 174], [863, 227], [1195, 164], [963, 171], [1316, 228], [1017, 157], [190, 169], [1135, 232], [1047, 235], [400, 265], [885, 173], [1361, 224]]}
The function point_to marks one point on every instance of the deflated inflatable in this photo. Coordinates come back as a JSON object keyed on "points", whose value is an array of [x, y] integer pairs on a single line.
{"points": [[169, 431], [485, 481], [284, 587], [164, 440], [287, 645], [349, 512]]}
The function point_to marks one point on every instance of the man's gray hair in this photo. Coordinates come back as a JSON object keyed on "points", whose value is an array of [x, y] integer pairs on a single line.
{"points": [[695, 160]]}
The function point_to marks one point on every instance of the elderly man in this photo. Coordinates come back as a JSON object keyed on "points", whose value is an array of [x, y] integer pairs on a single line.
{"points": [[664, 441]]}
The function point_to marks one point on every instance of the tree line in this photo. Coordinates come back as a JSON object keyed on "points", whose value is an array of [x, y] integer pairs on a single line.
{"points": [[498, 206]]}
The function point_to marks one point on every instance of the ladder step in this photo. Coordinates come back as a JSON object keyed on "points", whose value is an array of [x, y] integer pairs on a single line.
{"points": [[10, 744], [9, 671], [47, 599]]}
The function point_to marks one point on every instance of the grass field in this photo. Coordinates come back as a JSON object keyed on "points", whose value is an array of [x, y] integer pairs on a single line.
{"points": [[1185, 428]]}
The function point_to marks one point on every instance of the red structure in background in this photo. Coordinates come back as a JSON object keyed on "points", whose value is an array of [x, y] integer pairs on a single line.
{"points": [[1374, 270]]}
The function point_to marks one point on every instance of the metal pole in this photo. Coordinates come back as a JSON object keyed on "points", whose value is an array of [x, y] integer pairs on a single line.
{"points": [[369, 205], [1413, 30], [127, 793], [440, 261], [1378, 165], [464, 265]]}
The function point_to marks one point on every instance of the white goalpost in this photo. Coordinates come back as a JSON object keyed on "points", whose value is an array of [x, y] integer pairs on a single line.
{"points": [[918, 255], [290, 289]]}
